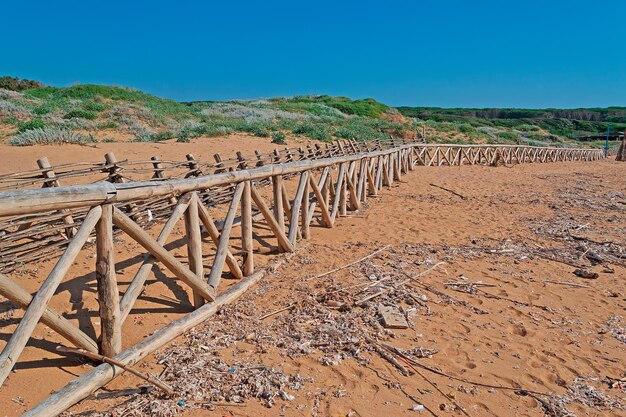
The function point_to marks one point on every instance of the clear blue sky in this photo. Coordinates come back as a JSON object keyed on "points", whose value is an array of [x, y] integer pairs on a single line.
{"points": [[427, 53]]}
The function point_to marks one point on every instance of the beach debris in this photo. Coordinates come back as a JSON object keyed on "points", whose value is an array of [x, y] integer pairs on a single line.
{"points": [[123, 392], [585, 273], [392, 318], [97, 357], [418, 407]]}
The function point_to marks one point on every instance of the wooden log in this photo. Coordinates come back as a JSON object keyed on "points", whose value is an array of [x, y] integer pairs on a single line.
{"points": [[326, 219], [361, 189], [108, 294], [304, 217], [87, 383], [214, 234], [338, 188], [351, 188], [295, 208], [320, 183], [50, 317], [285, 198], [194, 244], [193, 166], [44, 164], [37, 307], [379, 174], [370, 179], [116, 177], [135, 231], [279, 211], [159, 173], [246, 230], [386, 179], [283, 241], [136, 285], [621, 152], [222, 248], [343, 196]]}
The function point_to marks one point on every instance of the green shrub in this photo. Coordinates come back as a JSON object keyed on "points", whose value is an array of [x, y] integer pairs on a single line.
{"points": [[11, 120], [82, 114], [31, 124], [466, 128], [48, 136], [93, 106], [16, 84], [110, 124], [313, 131], [508, 136], [155, 136], [41, 110], [278, 138], [363, 107]]}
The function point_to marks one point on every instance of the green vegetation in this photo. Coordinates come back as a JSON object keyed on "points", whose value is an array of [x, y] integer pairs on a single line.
{"points": [[89, 109], [31, 124], [16, 84], [278, 138], [547, 125], [49, 136]]}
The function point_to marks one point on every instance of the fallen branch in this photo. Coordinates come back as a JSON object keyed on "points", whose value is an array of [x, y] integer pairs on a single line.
{"points": [[97, 357], [393, 350], [389, 358], [449, 190], [351, 263]]}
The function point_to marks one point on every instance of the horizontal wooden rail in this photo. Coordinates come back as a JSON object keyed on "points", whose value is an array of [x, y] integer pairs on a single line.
{"points": [[59, 198]]}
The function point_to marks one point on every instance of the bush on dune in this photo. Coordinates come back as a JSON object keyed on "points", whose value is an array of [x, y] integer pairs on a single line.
{"points": [[49, 136]]}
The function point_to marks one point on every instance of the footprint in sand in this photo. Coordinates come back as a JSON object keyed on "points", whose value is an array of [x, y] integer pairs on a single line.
{"points": [[519, 330]]}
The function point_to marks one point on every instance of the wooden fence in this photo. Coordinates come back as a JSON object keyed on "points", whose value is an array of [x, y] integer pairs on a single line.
{"points": [[330, 183]]}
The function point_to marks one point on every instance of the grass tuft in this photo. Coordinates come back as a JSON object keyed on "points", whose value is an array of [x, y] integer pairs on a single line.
{"points": [[49, 136]]}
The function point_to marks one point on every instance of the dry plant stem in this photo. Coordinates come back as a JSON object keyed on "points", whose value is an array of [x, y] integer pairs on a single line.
{"points": [[412, 361], [385, 355], [97, 357], [395, 351], [352, 263], [449, 190], [571, 284], [401, 283], [273, 313]]}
